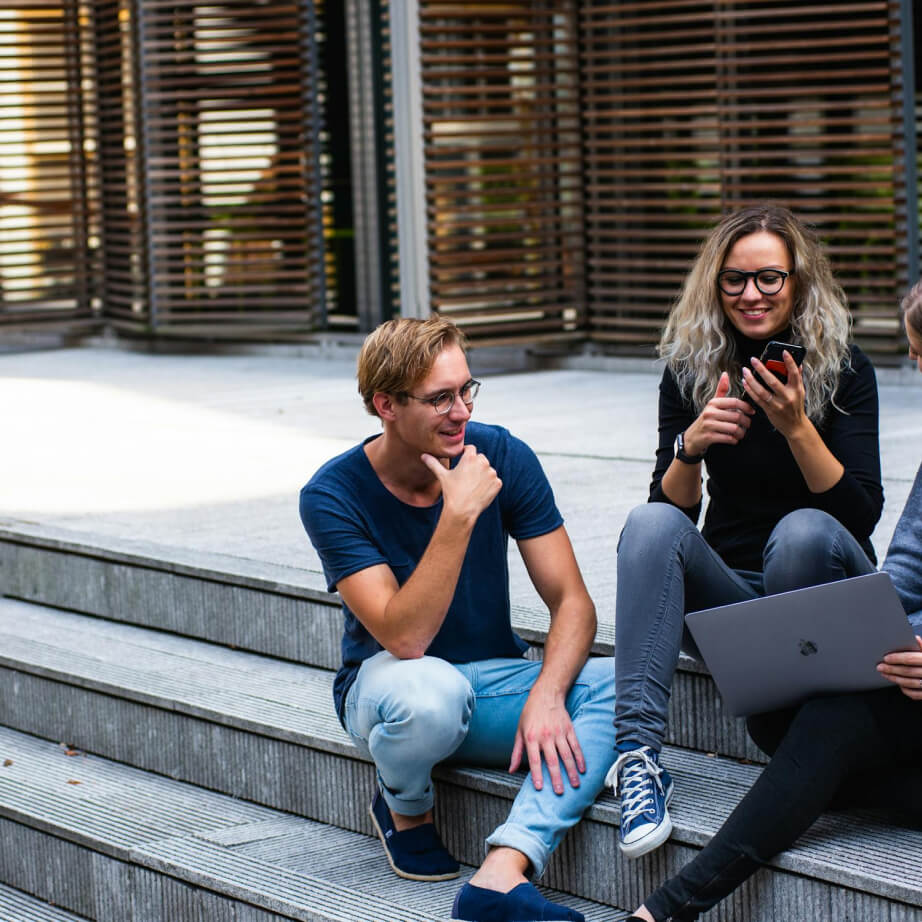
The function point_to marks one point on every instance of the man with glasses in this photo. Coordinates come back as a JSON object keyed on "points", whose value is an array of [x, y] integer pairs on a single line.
{"points": [[412, 528]]}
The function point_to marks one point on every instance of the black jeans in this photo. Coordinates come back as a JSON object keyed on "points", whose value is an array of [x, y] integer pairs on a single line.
{"points": [[853, 750]]}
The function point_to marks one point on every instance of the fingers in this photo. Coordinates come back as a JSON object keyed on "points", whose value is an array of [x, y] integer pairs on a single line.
{"points": [[762, 394], [723, 386], [911, 686], [551, 750], [434, 465], [905, 657], [438, 468], [792, 366], [537, 775], [552, 753], [517, 749], [904, 669], [723, 420]]}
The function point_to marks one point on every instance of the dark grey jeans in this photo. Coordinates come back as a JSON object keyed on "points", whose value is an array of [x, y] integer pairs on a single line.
{"points": [[666, 568], [856, 750]]}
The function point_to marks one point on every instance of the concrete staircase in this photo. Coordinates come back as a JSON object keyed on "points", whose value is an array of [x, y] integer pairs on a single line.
{"points": [[170, 752]]}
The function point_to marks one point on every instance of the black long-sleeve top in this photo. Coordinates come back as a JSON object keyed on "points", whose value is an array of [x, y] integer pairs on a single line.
{"points": [[752, 485]]}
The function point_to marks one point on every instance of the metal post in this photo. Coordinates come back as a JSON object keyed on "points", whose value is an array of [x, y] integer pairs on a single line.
{"points": [[368, 181], [408, 156], [910, 147]]}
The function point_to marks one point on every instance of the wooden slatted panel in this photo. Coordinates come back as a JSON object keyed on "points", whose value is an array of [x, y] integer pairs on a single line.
{"points": [[221, 230], [694, 109], [48, 190], [503, 165]]}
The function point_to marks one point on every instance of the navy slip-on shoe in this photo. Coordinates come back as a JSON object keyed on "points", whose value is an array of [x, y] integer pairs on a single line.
{"points": [[521, 904], [416, 854]]}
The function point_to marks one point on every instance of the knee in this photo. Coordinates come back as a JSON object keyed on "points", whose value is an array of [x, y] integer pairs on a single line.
{"points": [[801, 550], [804, 528], [651, 525], [426, 699]]}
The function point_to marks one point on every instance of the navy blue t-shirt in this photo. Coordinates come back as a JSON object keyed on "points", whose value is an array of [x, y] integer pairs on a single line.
{"points": [[355, 522]]}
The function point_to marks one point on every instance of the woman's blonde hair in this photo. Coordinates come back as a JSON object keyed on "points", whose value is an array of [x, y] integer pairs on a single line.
{"points": [[911, 306], [698, 342], [397, 355]]}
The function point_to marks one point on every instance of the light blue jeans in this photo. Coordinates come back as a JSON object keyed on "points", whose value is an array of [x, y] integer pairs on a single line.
{"points": [[666, 568], [409, 715]]}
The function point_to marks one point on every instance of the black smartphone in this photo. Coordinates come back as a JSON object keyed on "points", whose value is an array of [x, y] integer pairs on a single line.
{"points": [[773, 357]]}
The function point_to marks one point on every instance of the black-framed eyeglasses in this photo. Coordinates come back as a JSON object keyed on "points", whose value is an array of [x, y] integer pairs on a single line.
{"points": [[445, 400], [768, 281]]}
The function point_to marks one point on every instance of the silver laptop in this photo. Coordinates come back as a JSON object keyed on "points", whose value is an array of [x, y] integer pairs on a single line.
{"points": [[778, 650]]}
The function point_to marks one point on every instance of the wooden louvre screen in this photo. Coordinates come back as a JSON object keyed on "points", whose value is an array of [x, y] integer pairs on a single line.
{"points": [[214, 219], [502, 156], [48, 192], [694, 109]]}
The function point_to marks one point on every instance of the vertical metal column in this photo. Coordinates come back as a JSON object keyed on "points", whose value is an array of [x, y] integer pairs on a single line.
{"points": [[370, 218], [315, 120], [409, 161], [140, 102], [910, 141]]}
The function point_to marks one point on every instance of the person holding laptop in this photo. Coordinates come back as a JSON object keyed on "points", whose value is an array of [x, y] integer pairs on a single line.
{"points": [[858, 749], [792, 461]]}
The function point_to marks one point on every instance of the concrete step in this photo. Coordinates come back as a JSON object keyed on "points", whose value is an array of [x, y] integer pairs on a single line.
{"points": [[264, 730], [16, 906], [122, 845], [280, 611]]}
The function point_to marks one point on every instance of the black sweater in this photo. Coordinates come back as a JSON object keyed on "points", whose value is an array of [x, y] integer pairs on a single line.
{"points": [[752, 485]]}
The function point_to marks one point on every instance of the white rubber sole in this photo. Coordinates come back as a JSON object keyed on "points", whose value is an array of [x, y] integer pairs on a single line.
{"points": [[647, 843]]}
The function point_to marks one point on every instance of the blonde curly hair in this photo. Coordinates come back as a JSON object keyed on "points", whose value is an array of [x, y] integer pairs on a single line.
{"points": [[698, 343], [911, 307]]}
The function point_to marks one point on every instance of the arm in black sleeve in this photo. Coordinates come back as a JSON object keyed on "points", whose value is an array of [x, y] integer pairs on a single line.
{"points": [[858, 498], [675, 416]]}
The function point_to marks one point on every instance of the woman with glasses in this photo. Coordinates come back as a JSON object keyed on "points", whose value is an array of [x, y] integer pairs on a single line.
{"points": [[860, 749], [792, 464]]}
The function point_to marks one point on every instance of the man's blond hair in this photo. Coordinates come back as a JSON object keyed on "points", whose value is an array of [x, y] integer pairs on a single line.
{"points": [[397, 355]]}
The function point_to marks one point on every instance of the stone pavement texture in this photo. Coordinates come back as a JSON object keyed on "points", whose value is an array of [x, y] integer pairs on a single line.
{"points": [[208, 452]]}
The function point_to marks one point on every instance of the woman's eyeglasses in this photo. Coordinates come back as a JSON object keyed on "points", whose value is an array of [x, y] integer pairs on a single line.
{"points": [[767, 281]]}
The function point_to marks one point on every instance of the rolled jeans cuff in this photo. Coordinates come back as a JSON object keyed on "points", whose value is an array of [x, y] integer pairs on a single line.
{"points": [[522, 839], [416, 806]]}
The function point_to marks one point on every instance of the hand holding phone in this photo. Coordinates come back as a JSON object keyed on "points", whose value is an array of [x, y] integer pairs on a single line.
{"points": [[773, 357]]}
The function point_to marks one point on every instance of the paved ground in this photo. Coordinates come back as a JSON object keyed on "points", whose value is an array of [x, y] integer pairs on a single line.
{"points": [[209, 452]]}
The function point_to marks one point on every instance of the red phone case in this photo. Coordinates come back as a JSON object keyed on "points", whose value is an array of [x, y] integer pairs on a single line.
{"points": [[778, 367]]}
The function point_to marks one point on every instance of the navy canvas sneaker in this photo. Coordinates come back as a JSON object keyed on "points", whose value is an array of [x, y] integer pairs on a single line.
{"points": [[645, 788], [416, 854], [523, 903]]}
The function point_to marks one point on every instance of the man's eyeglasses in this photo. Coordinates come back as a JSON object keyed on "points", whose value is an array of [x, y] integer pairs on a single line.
{"points": [[445, 400], [768, 281]]}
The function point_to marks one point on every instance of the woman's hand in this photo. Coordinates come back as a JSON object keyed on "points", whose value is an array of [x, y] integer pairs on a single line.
{"points": [[905, 669], [724, 420], [783, 402]]}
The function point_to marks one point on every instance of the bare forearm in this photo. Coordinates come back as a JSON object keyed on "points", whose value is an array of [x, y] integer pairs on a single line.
{"points": [[567, 647], [819, 466], [414, 615], [682, 483]]}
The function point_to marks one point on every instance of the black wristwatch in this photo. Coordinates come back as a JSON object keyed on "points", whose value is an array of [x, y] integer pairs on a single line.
{"points": [[679, 451]]}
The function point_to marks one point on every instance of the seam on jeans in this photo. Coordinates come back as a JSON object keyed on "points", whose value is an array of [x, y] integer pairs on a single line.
{"points": [[717, 874], [509, 692], [661, 616]]}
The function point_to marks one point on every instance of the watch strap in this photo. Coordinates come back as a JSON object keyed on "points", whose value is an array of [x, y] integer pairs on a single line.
{"points": [[682, 455]]}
